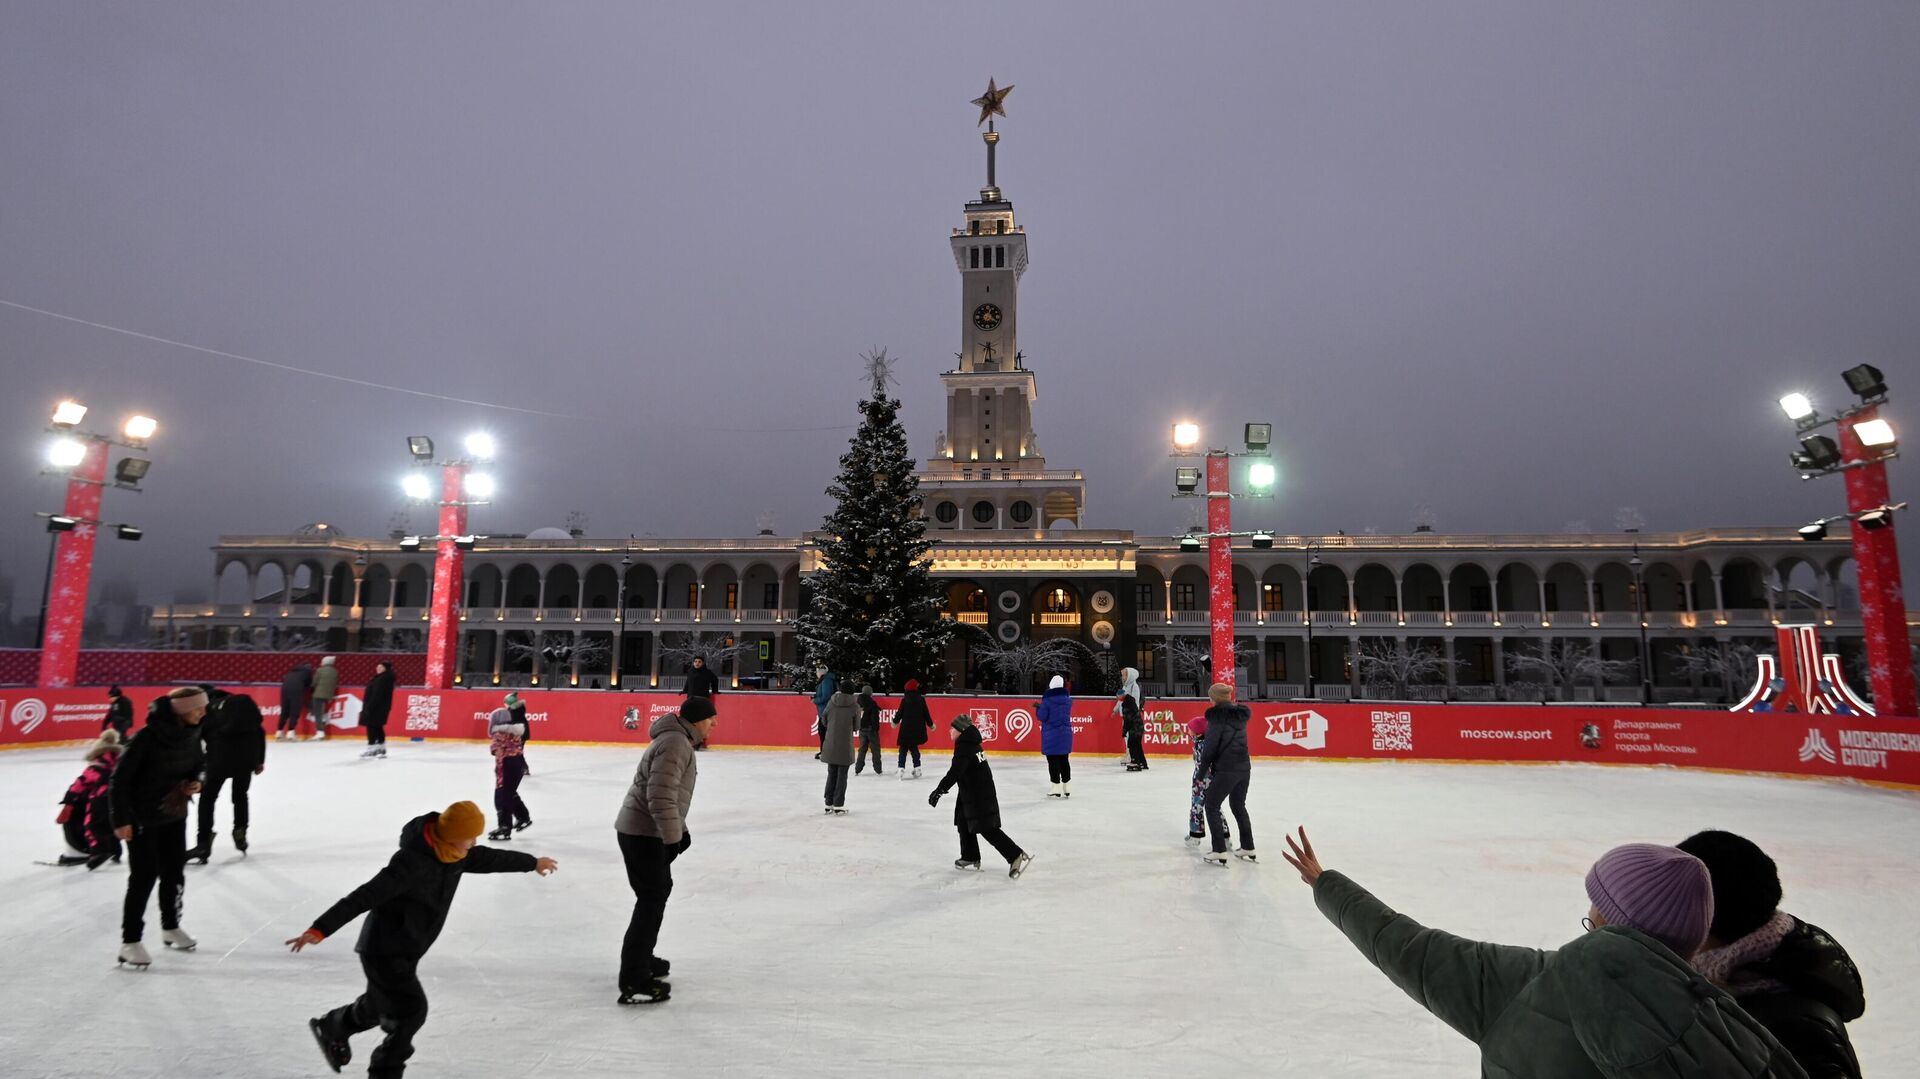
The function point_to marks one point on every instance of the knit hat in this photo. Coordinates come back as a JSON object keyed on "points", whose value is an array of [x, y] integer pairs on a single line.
{"points": [[696, 709], [1220, 693], [1057, 682], [187, 699], [108, 742], [962, 721], [1663, 892], [513, 700], [912, 684], [326, 661], [1746, 883], [458, 822]]}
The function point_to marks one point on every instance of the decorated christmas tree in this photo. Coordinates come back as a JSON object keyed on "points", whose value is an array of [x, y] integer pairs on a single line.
{"points": [[874, 612]]}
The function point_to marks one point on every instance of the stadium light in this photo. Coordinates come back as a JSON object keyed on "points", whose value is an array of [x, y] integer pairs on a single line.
{"points": [[66, 453], [480, 485], [1186, 435], [1797, 406], [69, 413], [1258, 437], [131, 470], [1260, 475], [57, 522], [480, 446], [139, 428], [465, 543], [128, 532], [1865, 381], [410, 543], [1186, 479], [1263, 540], [1815, 531], [421, 447], [416, 487], [1875, 432], [1875, 519], [1817, 452], [1189, 543]]}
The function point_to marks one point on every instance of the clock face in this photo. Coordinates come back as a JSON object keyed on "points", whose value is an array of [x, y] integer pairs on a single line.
{"points": [[986, 316]]}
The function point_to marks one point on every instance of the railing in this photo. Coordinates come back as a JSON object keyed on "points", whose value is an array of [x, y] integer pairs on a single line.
{"points": [[1060, 618], [1331, 618], [1426, 618], [979, 618], [1473, 618], [1476, 693], [1283, 618], [303, 610], [1379, 618], [1189, 618], [410, 614], [1246, 618], [522, 614], [1519, 619], [1617, 618], [1333, 693], [758, 614], [227, 609]]}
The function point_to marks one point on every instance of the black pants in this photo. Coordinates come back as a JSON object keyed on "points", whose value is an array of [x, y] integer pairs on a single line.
{"points": [[1059, 769], [970, 844], [869, 740], [376, 733], [394, 1002], [290, 714], [904, 750], [1230, 787], [1136, 746], [156, 852], [650, 875], [507, 773], [210, 794], [836, 784]]}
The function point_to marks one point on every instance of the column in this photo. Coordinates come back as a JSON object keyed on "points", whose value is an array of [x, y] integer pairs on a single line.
{"points": [[540, 602], [539, 654], [1719, 600], [779, 601], [617, 660], [659, 601], [653, 656], [253, 588], [1168, 582], [1545, 617], [1500, 667], [1453, 675], [1353, 605], [1352, 658], [1399, 601], [1446, 597], [499, 652], [1592, 608], [326, 590]]}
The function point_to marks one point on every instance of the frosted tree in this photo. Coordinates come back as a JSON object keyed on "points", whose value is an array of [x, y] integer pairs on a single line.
{"points": [[560, 651], [874, 612], [1562, 664], [1013, 666], [1190, 659], [1729, 665], [683, 648], [1395, 666]]}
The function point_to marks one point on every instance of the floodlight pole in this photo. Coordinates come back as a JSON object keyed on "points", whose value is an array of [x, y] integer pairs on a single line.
{"points": [[443, 625], [1220, 565], [1876, 556], [66, 598]]}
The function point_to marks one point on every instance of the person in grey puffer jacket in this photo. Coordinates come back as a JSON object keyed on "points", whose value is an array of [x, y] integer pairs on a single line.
{"points": [[1621, 1002], [652, 830], [838, 721], [1226, 768]]}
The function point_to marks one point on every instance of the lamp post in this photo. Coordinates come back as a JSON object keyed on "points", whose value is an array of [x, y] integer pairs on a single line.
{"points": [[460, 489], [1306, 600], [1867, 443], [1640, 609], [81, 456], [1219, 496], [620, 615]]}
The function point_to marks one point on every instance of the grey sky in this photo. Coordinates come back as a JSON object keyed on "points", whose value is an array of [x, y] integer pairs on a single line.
{"points": [[1523, 263]]}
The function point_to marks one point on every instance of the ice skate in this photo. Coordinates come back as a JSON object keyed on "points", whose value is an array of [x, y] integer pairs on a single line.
{"points": [[1194, 838], [178, 940], [280, 736], [902, 773], [500, 834], [135, 955], [653, 992], [521, 826], [240, 840], [369, 753], [1066, 790], [336, 1050], [659, 966], [1245, 855], [916, 771], [319, 735], [201, 851], [1215, 857], [72, 858], [966, 863], [381, 752], [839, 811], [1019, 865], [1055, 793], [97, 860]]}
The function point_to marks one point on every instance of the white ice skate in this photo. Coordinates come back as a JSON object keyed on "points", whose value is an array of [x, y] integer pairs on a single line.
{"points": [[319, 735], [280, 736], [135, 955], [1019, 866], [1055, 793], [967, 864], [381, 752], [1066, 790], [1245, 855], [916, 771], [369, 753], [902, 772], [1215, 857], [178, 938], [1194, 838]]}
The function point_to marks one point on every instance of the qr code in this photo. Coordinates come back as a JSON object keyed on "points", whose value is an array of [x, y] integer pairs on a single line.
{"points": [[423, 712], [1393, 732]]}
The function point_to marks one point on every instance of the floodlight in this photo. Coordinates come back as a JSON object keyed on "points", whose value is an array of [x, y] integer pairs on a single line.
{"points": [[131, 470], [1874, 432], [479, 485], [1876, 519], [410, 543], [480, 446], [66, 453], [59, 523], [1797, 406], [1186, 435], [1865, 381], [139, 428], [69, 413], [1189, 543], [421, 447], [416, 487], [1259, 436], [1263, 540], [465, 543], [128, 532], [1815, 531], [1818, 452], [1260, 476], [1186, 479]]}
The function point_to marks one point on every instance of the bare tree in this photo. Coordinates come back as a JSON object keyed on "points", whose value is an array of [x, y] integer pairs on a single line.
{"points": [[560, 650], [1014, 665], [1191, 658], [1561, 664], [1729, 665], [684, 648], [1394, 666]]}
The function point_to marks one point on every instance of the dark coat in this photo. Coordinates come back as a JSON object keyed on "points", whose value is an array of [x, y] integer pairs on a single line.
{"points": [[147, 783], [406, 903], [119, 716], [869, 714], [1055, 712], [234, 734], [1822, 995], [978, 807], [293, 690], [913, 719], [378, 702], [701, 682], [1225, 750], [823, 693], [842, 716]]}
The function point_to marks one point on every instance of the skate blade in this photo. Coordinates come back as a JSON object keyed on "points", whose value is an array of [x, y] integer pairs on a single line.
{"points": [[183, 947], [630, 1000], [134, 966]]}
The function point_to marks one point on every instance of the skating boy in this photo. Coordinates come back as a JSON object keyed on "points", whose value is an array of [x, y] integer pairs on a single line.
{"points": [[977, 811], [406, 905]]}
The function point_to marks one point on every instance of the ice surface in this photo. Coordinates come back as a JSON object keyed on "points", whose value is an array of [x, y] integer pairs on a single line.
{"points": [[810, 946]]}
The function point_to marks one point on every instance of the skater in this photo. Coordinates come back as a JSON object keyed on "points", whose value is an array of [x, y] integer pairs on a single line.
{"points": [[1791, 976], [842, 715], [375, 709], [825, 685], [86, 815], [914, 721], [1055, 711], [652, 832], [406, 906], [293, 700], [1197, 809], [976, 812], [869, 731], [119, 715], [326, 682], [701, 681], [518, 706], [1126, 705], [236, 745], [158, 774], [509, 767], [1228, 770], [1620, 1000]]}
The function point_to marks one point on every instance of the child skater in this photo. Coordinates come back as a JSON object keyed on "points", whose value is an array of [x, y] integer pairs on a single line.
{"points": [[509, 768], [977, 812], [914, 722], [869, 731], [1197, 814], [1126, 705], [406, 905], [85, 813]]}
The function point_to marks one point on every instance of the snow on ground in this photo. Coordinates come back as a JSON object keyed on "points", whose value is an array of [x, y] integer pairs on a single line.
{"points": [[811, 946]]}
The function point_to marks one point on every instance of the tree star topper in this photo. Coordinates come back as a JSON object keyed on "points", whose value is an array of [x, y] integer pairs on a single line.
{"points": [[989, 102]]}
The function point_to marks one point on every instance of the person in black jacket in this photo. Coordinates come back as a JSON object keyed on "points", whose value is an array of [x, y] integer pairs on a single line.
{"points": [[701, 681], [294, 687], [914, 722], [157, 776], [119, 713], [1791, 976], [1228, 769], [236, 744], [406, 906], [977, 811], [375, 707], [869, 731]]}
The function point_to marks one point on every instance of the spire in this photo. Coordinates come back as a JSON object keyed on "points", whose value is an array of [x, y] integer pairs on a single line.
{"points": [[991, 105]]}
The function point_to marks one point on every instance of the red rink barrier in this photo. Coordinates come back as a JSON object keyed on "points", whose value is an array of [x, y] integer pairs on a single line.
{"points": [[1879, 750]]}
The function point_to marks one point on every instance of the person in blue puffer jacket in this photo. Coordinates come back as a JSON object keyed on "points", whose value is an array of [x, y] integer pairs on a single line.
{"points": [[1056, 735]]}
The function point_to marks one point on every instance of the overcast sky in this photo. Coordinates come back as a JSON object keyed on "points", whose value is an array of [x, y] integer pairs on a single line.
{"points": [[1521, 263]]}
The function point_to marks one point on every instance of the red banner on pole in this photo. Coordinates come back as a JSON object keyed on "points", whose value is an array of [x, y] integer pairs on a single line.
{"points": [[66, 598], [1883, 608], [443, 625], [1220, 566]]}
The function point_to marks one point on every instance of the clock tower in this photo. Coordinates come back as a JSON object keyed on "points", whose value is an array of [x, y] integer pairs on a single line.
{"points": [[987, 471]]}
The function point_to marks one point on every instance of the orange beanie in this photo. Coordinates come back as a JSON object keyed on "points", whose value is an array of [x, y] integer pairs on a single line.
{"points": [[460, 821]]}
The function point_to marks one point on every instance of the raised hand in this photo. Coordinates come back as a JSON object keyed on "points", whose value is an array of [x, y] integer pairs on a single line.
{"points": [[1303, 858]]}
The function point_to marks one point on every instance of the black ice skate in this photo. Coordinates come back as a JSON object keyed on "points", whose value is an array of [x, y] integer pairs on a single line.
{"points": [[521, 826], [659, 966], [654, 991], [98, 860], [967, 863], [500, 834], [240, 840], [1019, 866], [336, 1050], [201, 851]]}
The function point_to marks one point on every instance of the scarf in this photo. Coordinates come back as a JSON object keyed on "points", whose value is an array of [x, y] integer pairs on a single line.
{"points": [[1723, 965]]}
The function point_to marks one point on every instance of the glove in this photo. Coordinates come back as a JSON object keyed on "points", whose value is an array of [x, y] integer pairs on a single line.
{"points": [[686, 840], [933, 797]]}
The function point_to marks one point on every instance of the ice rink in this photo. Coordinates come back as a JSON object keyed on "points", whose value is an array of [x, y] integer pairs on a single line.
{"points": [[810, 946]]}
